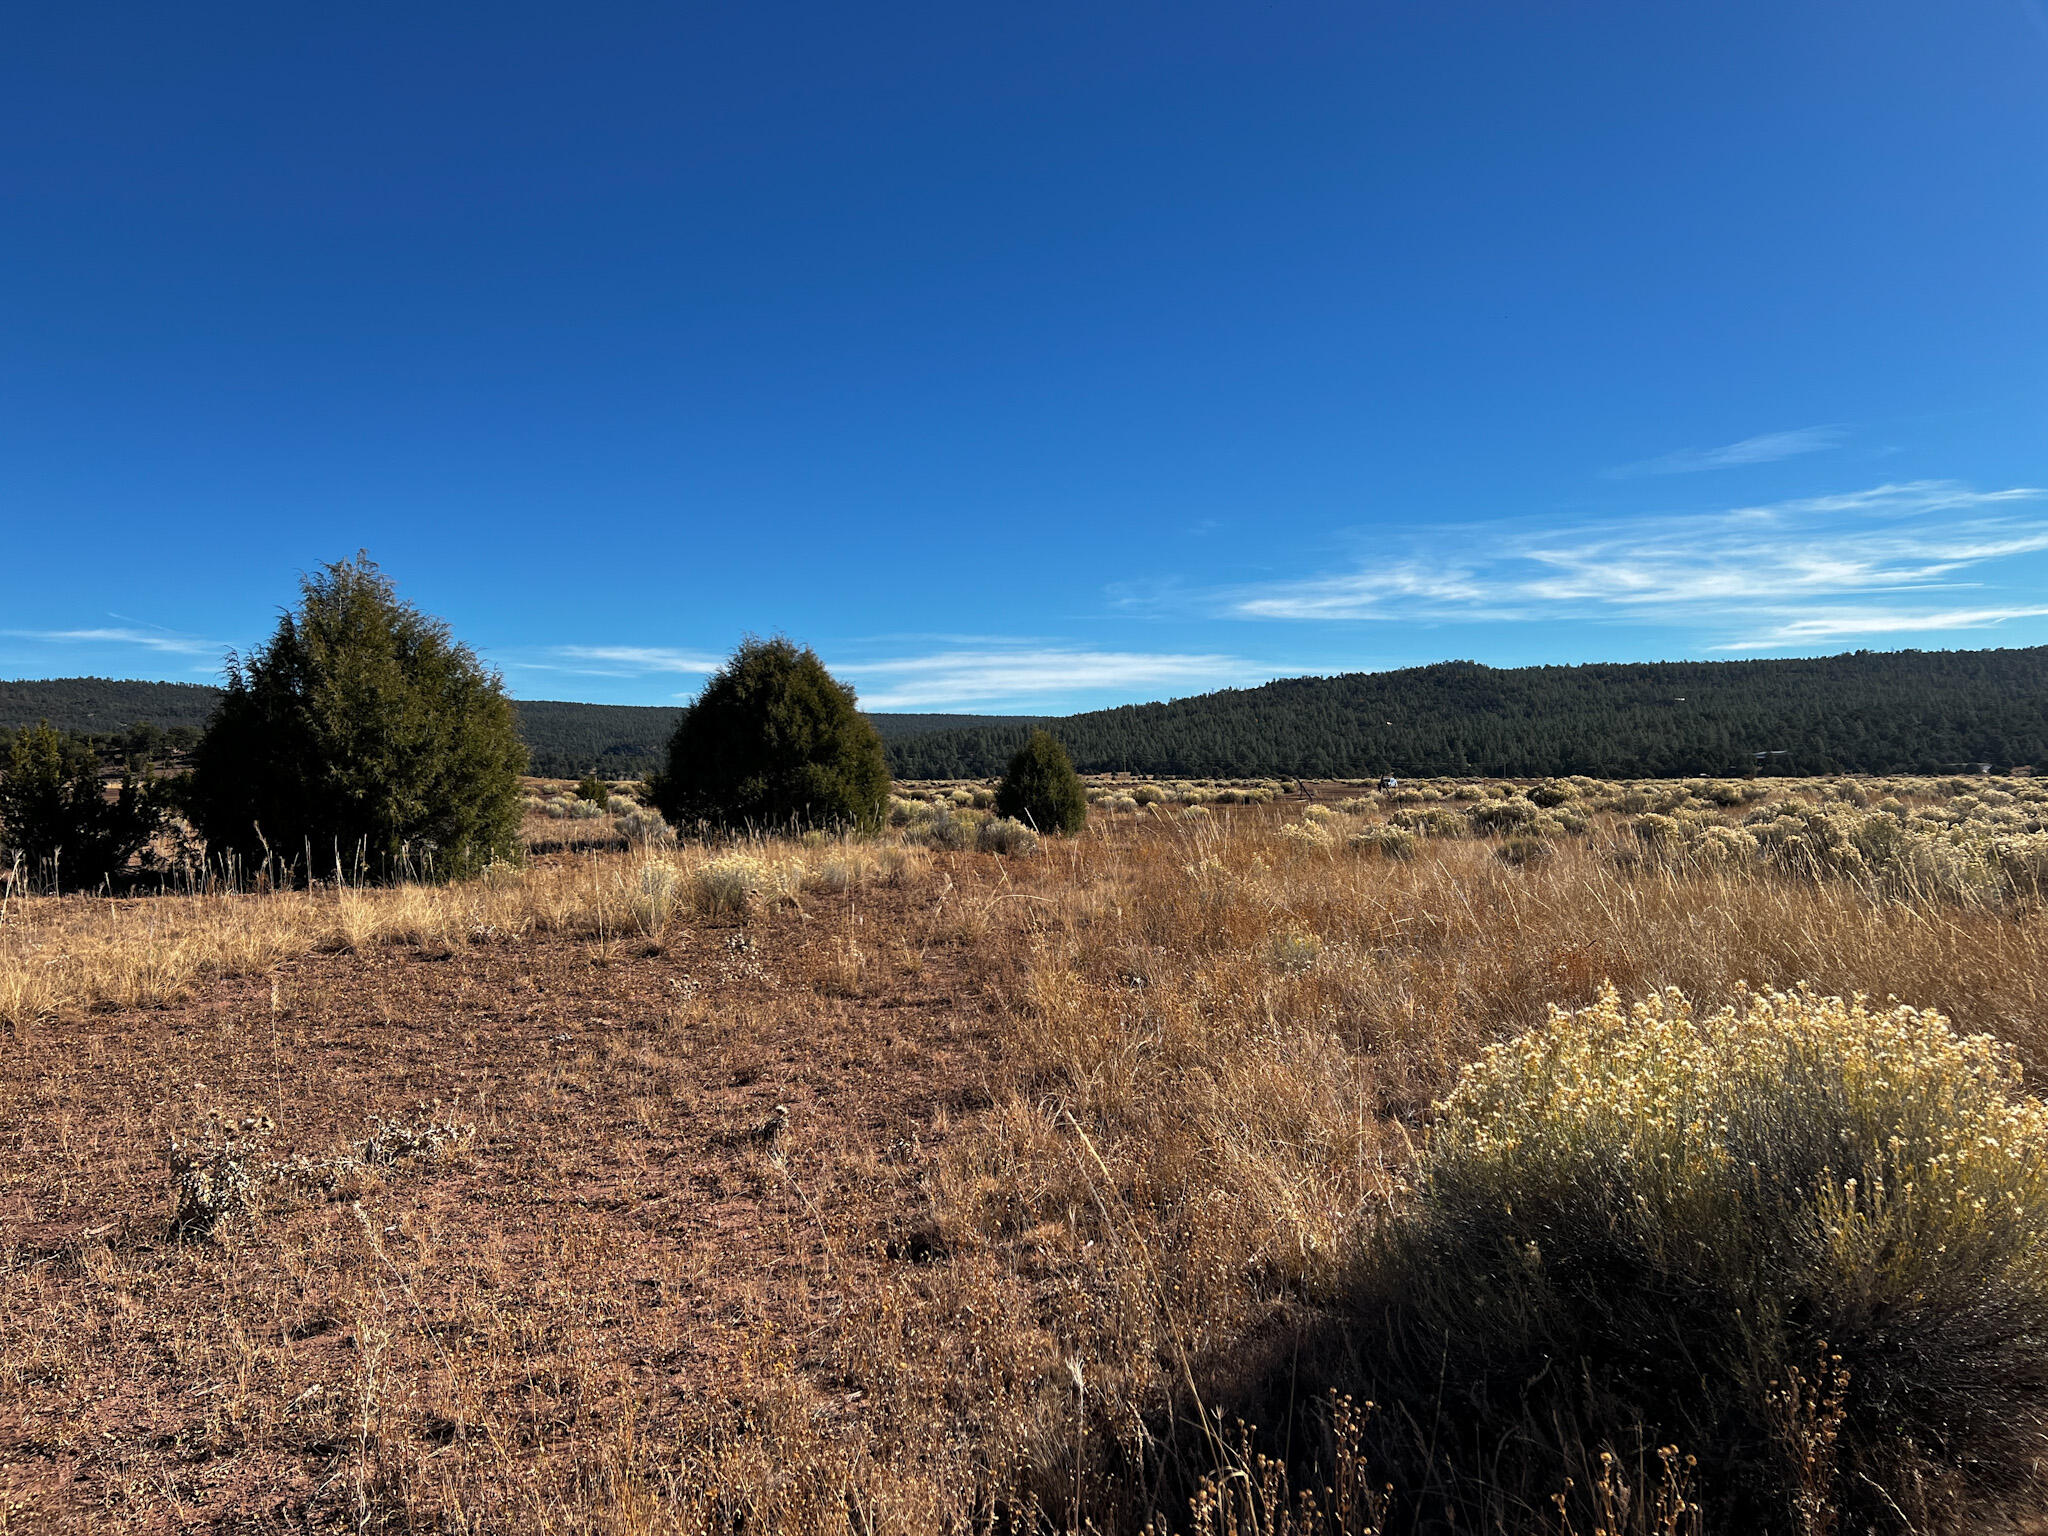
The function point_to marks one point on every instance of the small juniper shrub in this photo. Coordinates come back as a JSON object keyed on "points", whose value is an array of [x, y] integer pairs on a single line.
{"points": [[774, 741], [361, 734], [1804, 1239], [595, 791], [54, 819], [1042, 790]]}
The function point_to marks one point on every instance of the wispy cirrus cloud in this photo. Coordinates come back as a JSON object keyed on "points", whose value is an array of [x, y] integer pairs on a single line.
{"points": [[620, 661], [986, 671], [167, 642], [1777, 575], [1011, 676], [1842, 624], [1765, 448], [1406, 584]]}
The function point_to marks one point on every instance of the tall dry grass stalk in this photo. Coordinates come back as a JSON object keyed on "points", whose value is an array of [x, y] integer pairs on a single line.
{"points": [[60, 953]]}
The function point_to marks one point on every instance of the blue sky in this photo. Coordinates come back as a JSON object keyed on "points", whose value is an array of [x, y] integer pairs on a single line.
{"points": [[1026, 358]]}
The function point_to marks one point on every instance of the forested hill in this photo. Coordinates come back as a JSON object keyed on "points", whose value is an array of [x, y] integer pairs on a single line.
{"points": [[101, 706], [1869, 711], [623, 741], [565, 739]]}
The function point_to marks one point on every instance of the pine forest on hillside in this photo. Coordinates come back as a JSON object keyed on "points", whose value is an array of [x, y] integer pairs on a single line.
{"points": [[1866, 712]]}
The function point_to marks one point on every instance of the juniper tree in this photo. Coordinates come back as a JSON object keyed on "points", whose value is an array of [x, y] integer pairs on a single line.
{"points": [[57, 821], [361, 739], [1041, 789], [774, 740]]}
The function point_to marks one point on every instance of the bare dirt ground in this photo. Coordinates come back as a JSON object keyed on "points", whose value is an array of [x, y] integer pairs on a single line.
{"points": [[612, 1245]]}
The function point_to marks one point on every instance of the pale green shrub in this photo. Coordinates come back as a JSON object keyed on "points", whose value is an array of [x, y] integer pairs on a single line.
{"points": [[1256, 794], [1436, 821], [1636, 1225], [645, 827], [946, 831], [840, 870], [1388, 841], [1006, 836], [737, 882], [1504, 814], [428, 1135], [1659, 832], [1724, 847], [657, 888]]}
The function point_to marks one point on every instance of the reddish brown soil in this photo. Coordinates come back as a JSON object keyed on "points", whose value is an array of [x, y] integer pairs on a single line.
{"points": [[610, 1244]]}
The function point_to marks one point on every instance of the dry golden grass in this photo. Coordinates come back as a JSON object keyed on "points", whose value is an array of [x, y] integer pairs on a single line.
{"points": [[59, 954], [1080, 1140]]}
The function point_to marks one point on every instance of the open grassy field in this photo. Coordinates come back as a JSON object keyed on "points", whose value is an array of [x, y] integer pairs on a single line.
{"points": [[471, 1209]]}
